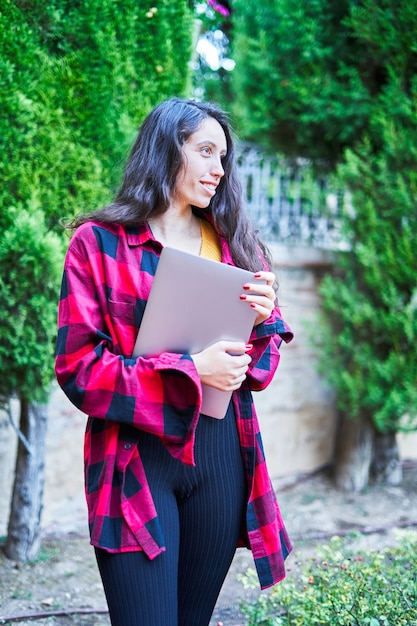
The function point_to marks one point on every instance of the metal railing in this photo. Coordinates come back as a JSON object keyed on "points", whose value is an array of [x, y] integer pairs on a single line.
{"points": [[287, 203]]}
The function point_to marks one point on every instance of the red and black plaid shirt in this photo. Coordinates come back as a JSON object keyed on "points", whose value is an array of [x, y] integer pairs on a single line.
{"points": [[107, 278]]}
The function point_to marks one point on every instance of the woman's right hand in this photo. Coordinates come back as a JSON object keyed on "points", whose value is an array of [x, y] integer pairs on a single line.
{"points": [[223, 365]]}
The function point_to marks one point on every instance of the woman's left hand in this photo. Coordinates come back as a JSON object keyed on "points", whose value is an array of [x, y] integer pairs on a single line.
{"points": [[260, 295]]}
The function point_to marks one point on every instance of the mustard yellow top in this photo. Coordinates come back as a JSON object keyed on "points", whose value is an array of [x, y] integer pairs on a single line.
{"points": [[210, 244]]}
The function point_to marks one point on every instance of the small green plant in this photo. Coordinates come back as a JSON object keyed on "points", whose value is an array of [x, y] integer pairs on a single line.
{"points": [[341, 588], [46, 554], [21, 595]]}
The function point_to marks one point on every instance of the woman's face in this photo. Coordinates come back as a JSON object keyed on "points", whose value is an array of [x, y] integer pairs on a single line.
{"points": [[202, 169]]}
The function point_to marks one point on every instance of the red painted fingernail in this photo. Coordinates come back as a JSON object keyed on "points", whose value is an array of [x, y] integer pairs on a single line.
{"points": [[247, 287], [258, 275], [253, 305], [249, 347], [242, 296]]}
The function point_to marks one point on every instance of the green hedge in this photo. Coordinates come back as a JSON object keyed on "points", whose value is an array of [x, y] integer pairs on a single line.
{"points": [[76, 80]]}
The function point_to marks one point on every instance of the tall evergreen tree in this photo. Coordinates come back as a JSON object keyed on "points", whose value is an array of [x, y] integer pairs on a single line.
{"points": [[372, 304]]}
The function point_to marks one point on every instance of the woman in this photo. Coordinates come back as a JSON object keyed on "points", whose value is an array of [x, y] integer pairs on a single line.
{"points": [[171, 492]]}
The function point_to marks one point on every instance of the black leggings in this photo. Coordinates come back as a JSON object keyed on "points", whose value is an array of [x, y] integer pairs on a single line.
{"points": [[201, 511]]}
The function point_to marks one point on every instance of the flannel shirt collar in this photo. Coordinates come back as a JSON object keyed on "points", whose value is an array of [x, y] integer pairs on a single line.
{"points": [[138, 235]]}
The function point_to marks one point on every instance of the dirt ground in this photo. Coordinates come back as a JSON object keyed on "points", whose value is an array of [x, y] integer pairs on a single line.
{"points": [[64, 587]]}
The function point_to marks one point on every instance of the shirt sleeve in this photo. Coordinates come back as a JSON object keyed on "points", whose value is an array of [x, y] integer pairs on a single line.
{"points": [[266, 339], [160, 395]]}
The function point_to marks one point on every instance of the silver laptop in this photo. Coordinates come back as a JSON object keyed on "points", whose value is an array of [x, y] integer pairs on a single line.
{"points": [[193, 303]]}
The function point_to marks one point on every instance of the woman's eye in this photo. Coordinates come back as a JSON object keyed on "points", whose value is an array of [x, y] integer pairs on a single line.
{"points": [[206, 150]]}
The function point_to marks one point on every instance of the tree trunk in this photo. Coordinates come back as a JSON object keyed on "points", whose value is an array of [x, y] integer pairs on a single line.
{"points": [[362, 454], [354, 453], [23, 534], [386, 466]]}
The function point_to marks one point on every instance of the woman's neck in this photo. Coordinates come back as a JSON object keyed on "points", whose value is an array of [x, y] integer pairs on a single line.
{"points": [[176, 230]]}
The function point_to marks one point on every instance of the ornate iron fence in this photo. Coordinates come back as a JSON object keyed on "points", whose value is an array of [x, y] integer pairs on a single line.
{"points": [[287, 203]]}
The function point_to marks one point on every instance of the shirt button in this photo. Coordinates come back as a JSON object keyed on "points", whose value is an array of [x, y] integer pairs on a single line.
{"points": [[127, 446]]}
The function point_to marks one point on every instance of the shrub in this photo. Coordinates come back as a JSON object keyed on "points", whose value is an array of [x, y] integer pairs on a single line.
{"points": [[339, 587], [30, 271]]}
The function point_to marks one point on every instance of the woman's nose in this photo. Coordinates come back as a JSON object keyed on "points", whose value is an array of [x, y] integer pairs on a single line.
{"points": [[217, 167]]}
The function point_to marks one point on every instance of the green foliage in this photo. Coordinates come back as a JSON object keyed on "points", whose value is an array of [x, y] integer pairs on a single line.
{"points": [[75, 89], [341, 588], [114, 61], [41, 161], [30, 268], [369, 352], [307, 73], [386, 30], [298, 80], [76, 80]]}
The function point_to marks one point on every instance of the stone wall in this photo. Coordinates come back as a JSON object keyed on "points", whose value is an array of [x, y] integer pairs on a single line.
{"points": [[297, 411]]}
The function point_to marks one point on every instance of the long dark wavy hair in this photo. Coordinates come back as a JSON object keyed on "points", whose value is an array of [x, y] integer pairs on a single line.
{"points": [[151, 173]]}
